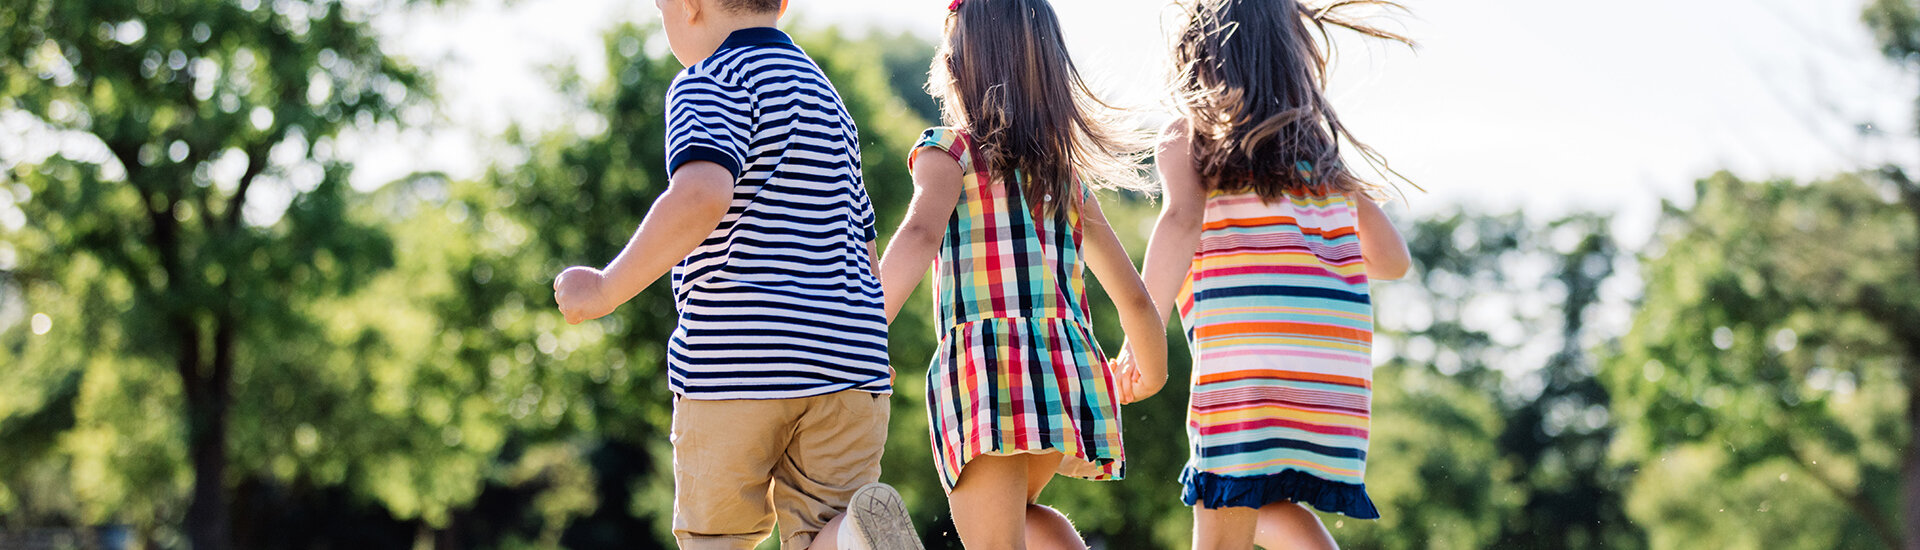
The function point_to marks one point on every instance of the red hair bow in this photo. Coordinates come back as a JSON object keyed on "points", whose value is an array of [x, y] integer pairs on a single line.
{"points": [[955, 6]]}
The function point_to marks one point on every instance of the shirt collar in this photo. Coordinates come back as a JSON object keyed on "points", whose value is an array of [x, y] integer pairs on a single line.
{"points": [[755, 36]]}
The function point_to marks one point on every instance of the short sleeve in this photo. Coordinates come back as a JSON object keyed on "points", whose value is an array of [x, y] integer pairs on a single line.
{"points": [[948, 140], [867, 224], [867, 220], [708, 120]]}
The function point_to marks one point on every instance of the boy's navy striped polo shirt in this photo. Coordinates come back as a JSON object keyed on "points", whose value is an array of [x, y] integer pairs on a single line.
{"points": [[781, 300]]}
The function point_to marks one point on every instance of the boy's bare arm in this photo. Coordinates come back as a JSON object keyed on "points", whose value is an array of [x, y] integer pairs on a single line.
{"points": [[695, 202]]}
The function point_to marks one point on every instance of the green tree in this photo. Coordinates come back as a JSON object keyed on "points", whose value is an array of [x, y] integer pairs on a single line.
{"points": [[1557, 441], [1779, 339], [1776, 358], [192, 212], [1896, 24], [908, 57]]}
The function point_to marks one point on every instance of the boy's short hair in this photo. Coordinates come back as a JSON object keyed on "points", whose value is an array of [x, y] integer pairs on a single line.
{"points": [[751, 6]]}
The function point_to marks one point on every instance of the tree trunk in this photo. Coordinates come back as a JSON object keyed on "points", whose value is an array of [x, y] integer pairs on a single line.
{"points": [[1910, 468], [1910, 461], [209, 524]]}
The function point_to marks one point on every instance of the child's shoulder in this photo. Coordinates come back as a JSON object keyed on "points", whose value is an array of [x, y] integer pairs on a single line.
{"points": [[944, 137], [702, 77], [738, 65], [950, 140], [1175, 128]]}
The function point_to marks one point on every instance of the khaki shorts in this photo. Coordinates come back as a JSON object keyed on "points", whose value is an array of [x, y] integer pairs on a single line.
{"points": [[738, 464]]}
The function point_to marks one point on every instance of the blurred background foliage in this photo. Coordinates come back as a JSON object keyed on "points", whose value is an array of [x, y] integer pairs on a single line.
{"points": [[209, 340]]}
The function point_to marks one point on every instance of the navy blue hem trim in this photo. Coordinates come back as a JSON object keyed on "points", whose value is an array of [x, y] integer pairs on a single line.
{"points": [[701, 152], [695, 394], [755, 35], [1219, 491]]}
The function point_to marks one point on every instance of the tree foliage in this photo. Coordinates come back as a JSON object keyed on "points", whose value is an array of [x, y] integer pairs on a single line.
{"points": [[1775, 341], [185, 216]]}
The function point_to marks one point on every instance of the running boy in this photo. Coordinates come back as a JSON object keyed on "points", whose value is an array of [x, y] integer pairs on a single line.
{"points": [[779, 363]]}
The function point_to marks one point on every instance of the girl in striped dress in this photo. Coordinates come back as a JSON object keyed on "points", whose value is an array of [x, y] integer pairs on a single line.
{"points": [[1018, 389], [1267, 244]]}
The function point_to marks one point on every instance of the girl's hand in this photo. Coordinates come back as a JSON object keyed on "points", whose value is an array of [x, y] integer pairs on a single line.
{"points": [[1126, 375], [579, 291], [1135, 384]]}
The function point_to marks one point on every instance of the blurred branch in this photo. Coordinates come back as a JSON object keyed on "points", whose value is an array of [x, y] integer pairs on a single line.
{"points": [[1828, 42], [1815, 114], [1902, 322], [1858, 502], [1909, 191], [256, 163]]}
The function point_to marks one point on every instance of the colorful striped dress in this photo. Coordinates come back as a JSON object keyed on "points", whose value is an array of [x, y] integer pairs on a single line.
{"points": [[1017, 369], [1280, 324]]}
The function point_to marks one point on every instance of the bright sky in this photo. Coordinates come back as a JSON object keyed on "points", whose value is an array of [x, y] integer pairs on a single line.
{"points": [[1549, 106]]}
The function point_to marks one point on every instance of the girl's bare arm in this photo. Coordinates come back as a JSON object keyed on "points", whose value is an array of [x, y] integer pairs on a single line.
{"points": [[1146, 333], [1177, 234], [1380, 244], [936, 190]]}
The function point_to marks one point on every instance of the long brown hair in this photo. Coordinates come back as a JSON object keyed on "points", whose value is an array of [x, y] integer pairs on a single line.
{"points": [[1004, 77], [1250, 79]]}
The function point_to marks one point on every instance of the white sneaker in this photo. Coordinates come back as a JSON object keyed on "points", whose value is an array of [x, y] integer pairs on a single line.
{"points": [[877, 520]]}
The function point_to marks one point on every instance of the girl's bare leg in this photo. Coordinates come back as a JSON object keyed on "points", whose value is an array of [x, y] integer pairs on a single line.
{"points": [[1289, 526], [1047, 529], [1223, 528], [989, 503]]}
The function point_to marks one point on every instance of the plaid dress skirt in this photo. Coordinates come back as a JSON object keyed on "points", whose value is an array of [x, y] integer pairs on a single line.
{"points": [[1017, 369]]}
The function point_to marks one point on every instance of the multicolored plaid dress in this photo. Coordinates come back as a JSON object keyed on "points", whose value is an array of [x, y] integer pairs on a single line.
{"points": [[1280, 323], [1017, 369]]}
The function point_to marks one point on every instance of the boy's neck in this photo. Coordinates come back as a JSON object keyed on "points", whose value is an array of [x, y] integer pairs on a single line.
{"points": [[724, 26], [736, 22]]}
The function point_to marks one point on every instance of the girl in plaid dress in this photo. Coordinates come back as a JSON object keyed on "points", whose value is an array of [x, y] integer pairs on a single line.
{"points": [[1018, 389]]}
